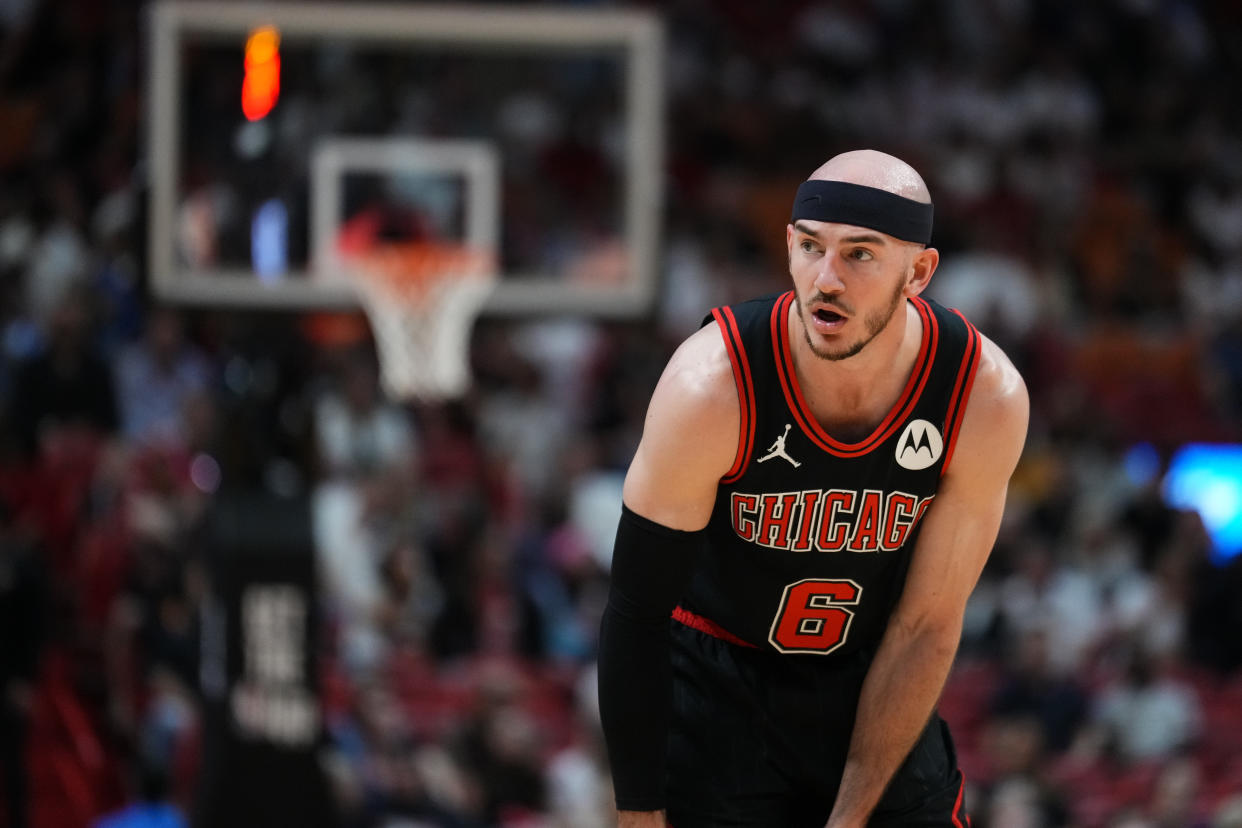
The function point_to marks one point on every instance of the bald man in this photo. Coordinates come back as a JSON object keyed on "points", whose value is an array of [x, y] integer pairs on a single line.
{"points": [[820, 480]]}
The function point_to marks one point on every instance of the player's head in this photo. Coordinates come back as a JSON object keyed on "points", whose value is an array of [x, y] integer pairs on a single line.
{"points": [[858, 247]]}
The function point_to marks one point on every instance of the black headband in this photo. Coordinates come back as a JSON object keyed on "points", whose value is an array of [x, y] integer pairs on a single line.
{"points": [[843, 203]]}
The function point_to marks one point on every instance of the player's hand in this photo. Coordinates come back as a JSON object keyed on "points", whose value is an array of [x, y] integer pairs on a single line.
{"points": [[641, 819]]}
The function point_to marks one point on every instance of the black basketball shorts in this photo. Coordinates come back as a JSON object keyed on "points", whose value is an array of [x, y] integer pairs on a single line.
{"points": [[758, 740]]}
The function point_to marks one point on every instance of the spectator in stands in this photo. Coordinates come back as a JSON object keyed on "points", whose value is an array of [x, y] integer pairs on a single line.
{"points": [[157, 378], [66, 384], [366, 447], [1148, 714], [1019, 803], [579, 787], [500, 743], [1032, 688], [410, 597], [360, 434], [1055, 596], [1016, 794]]}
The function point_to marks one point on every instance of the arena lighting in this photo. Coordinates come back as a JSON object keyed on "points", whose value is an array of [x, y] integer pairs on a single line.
{"points": [[261, 85], [1208, 479]]}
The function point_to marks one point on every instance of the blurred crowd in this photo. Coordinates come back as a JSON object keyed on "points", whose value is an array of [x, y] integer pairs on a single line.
{"points": [[1086, 166]]}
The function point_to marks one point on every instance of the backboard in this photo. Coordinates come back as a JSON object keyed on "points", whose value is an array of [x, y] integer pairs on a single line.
{"points": [[534, 131]]}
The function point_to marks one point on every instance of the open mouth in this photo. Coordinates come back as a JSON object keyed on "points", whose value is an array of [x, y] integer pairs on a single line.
{"points": [[828, 316]]}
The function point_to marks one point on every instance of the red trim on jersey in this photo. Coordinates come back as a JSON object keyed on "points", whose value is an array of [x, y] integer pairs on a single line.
{"points": [[708, 626], [896, 415], [745, 392], [957, 806], [965, 381]]}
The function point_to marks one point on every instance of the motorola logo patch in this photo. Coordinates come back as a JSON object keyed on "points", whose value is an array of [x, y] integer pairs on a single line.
{"points": [[920, 445]]}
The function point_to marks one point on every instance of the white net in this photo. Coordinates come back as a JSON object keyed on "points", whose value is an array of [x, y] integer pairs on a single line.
{"points": [[422, 300]]}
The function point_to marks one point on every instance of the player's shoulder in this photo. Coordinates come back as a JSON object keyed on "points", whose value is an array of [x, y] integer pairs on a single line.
{"points": [[696, 401], [690, 434], [998, 410], [700, 372], [997, 380]]}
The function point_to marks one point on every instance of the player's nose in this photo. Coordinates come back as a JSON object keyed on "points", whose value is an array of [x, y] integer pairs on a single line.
{"points": [[827, 278]]}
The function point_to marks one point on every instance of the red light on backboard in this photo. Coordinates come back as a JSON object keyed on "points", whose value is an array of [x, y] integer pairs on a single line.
{"points": [[261, 86]]}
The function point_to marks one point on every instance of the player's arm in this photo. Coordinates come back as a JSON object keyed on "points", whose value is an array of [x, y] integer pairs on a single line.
{"points": [[919, 644], [689, 441]]}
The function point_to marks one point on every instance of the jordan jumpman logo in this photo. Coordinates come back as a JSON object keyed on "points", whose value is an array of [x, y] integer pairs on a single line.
{"points": [[777, 449]]}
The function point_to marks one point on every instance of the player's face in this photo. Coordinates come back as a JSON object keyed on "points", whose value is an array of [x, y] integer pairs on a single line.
{"points": [[849, 283]]}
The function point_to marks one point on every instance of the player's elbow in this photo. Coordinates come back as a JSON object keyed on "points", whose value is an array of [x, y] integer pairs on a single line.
{"points": [[934, 633]]}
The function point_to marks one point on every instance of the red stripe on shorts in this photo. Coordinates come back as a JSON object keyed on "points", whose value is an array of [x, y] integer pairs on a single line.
{"points": [[708, 626], [957, 806]]}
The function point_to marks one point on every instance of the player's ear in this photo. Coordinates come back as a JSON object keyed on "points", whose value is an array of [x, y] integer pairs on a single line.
{"points": [[922, 267]]}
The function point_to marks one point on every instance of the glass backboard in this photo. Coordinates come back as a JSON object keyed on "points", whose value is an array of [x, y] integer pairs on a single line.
{"points": [[534, 131]]}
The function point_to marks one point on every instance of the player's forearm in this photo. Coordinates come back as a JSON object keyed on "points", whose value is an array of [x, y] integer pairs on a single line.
{"points": [[897, 699], [650, 566], [634, 680]]}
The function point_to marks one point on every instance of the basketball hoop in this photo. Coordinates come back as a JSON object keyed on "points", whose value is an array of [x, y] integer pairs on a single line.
{"points": [[421, 299]]}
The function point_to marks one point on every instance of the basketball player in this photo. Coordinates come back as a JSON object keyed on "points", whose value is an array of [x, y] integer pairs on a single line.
{"points": [[816, 586]]}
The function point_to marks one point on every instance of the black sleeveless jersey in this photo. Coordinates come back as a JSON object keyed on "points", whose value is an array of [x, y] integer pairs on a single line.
{"points": [[810, 538]]}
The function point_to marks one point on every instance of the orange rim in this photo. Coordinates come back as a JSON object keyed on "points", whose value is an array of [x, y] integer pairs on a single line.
{"points": [[413, 268]]}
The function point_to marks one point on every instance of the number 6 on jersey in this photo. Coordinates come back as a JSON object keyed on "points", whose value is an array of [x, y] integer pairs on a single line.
{"points": [[813, 617]]}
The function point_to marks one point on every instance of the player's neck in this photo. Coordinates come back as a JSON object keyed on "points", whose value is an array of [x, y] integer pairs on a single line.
{"points": [[856, 393]]}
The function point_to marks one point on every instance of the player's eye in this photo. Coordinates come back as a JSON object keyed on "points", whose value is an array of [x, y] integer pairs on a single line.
{"points": [[808, 246], [861, 254]]}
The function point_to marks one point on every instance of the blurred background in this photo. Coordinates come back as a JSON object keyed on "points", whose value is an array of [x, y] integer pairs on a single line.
{"points": [[240, 586]]}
